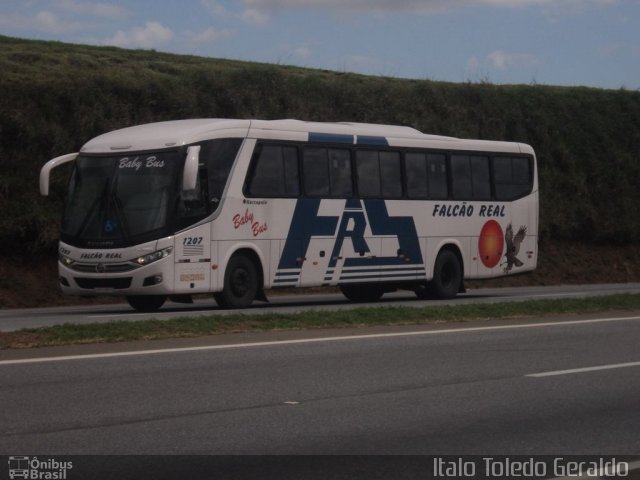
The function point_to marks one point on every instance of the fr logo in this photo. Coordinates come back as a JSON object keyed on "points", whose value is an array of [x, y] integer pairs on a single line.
{"points": [[350, 226]]}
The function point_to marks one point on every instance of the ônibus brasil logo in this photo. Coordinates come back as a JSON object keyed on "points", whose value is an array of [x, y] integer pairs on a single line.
{"points": [[36, 469]]}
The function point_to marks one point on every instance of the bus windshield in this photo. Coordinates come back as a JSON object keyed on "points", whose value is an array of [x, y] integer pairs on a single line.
{"points": [[119, 201]]}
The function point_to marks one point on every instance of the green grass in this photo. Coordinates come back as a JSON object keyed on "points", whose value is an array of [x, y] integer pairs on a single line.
{"points": [[57, 96], [120, 331]]}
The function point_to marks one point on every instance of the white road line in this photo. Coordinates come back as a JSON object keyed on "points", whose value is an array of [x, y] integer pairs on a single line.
{"points": [[583, 370], [567, 294], [122, 315], [315, 340]]}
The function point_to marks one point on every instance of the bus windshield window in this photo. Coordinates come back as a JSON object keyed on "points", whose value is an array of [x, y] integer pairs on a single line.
{"points": [[121, 200], [141, 195]]}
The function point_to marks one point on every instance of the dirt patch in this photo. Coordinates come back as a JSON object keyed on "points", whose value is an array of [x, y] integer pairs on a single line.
{"points": [[32, 282]]}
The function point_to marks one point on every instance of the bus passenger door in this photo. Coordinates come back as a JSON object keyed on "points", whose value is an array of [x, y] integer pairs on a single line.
{"points": [[193, 260]]}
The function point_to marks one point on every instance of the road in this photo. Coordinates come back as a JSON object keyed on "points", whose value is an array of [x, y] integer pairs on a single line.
{"points": [[565, 385], [14, 319]]}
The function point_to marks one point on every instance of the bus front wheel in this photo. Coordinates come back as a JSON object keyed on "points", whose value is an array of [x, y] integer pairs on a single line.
{"points": [[146, 303], [447, 275], [240, 283]]}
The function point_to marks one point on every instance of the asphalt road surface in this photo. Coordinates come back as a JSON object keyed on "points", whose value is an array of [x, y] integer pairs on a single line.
{"points": [[15, 319], [562, 385]]}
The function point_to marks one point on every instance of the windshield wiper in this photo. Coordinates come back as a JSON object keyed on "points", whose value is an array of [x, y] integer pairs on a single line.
{"points": [[100, 199], [119, 209]]}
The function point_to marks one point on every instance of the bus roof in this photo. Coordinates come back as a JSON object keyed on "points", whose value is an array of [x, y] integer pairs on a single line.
{"points": [[160, 135]]}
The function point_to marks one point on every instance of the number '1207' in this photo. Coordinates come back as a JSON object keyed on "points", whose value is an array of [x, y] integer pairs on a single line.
{"points": [[192, 241]]}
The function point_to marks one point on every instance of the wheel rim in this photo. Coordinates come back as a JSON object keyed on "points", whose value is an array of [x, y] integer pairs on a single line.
{"points": [[447, 275], [240, 282]]}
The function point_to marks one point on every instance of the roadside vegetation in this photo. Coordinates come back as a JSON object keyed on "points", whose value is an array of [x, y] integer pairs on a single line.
{"points": [[56, 96], [120, 331]]}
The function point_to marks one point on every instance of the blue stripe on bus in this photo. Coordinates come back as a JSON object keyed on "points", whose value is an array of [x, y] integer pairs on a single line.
{"points": [[393, 275], [288, 281], [330, 138], [386, 270], [375, 262], [371, 140]]}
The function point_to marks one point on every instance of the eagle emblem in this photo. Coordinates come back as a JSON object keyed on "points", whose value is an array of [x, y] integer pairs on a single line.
{"points": [[513, 247]]}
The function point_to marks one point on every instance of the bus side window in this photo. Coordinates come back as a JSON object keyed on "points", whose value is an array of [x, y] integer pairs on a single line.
{"points": [[438, 187], [274, 172], [368, 170], [417, 179], [193, 204], [219, 156], [379, 174], [470, 177], [391, 174], [461, 177], [216, 159], [512, 177], [480, 178], [327, 172], [426, 175], [340, 177], [315, 172]]}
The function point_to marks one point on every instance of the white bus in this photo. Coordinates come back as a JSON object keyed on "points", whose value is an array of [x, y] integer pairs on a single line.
{"points": [[234, 207]]}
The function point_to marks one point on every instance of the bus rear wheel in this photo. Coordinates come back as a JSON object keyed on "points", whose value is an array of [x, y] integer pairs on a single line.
{"points": [[362, 293], [447, 275], [240, 283], [146, 303]]}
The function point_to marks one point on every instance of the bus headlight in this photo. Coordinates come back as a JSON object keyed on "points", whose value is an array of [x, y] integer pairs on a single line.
{"points": [[154, 257], [64, 260]]}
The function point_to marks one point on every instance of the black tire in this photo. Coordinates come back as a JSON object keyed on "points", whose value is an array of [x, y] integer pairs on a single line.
{"points": [[447, 275], [362, 293], [147, 303], [423, 292], [240, 283]]}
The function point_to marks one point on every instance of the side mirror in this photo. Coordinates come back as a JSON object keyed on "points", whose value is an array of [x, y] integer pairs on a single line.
{"points": [[191, 164], [46, 170]]}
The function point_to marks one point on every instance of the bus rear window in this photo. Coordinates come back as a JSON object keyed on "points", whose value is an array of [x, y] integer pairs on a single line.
{"points": [[512, 177]]}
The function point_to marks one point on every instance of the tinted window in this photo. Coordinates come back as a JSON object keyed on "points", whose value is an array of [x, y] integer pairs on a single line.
{"points": [[521, 171], [461, 177], [290, 164], [217, 157], [340, 173], [125, 199], [417, 179], [368, 169], [390, 174], [379, 174], [512, 177], [315, 168], [275, 172], [327, 172], [438, 188], [480, 179], [470, 177]]}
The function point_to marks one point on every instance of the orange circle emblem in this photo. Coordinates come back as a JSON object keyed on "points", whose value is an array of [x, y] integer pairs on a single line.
{"points": [[491, 244]]}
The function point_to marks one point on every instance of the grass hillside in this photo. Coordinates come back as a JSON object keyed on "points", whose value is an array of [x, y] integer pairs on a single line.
{"points": [[56, 96]]}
